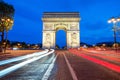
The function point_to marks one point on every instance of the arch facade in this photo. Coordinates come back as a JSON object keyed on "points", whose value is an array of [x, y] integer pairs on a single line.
{"points": [[68, 21]]}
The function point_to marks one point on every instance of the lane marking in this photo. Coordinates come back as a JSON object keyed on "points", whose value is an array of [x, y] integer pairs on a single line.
{"points": [[70, 69], [48, 72]]}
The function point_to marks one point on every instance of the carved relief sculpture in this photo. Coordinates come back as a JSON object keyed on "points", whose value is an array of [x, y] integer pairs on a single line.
{"points": [[73, 27], [48, 27], [48, 39], [73, 38]]}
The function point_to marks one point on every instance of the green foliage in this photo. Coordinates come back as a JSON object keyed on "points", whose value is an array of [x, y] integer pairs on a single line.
{"points": [[6, 9], [6, 16], [6, 21], [6, 24]]}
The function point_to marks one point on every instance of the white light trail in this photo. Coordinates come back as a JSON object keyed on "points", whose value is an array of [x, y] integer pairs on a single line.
{"points": [[22, 57], [17, 66]]}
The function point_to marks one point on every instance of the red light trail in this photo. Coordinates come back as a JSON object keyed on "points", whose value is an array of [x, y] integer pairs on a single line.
{"points": [[108, 65], [105, 57]]}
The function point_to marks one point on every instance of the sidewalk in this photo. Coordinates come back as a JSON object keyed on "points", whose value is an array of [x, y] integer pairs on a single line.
{"points": [[15, 53]]}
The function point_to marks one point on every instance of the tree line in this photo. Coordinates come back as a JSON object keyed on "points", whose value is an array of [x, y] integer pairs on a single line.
{"points": [[6, 22]]}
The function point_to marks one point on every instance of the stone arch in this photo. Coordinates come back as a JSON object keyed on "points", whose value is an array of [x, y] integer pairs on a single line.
{"points": [[69, 22], [60, 27]]}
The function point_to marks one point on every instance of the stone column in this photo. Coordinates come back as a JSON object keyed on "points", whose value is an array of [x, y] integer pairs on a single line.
{"points": [[73, 39], [68, 39], [53, 39], [48, 39]]}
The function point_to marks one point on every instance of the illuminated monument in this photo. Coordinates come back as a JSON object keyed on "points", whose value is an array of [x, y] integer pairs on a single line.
{"points": [[54, 21]]}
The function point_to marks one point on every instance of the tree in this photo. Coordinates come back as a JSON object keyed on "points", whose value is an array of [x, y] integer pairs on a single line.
{"points": [[57, 47], [6, 21]]}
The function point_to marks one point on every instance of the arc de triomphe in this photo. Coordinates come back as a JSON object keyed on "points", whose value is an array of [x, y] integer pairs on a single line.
{"points": [[68, 21]]}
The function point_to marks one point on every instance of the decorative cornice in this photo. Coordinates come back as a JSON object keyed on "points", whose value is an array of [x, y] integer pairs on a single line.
{"points": [[61, 15], [60, 19]]}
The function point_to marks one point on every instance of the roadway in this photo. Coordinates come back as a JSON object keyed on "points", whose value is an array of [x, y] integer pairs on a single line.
{"points": [[32, 71], [33, 67], [68, 65]]}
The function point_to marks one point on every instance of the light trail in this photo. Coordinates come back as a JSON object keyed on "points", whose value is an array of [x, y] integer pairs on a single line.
{"points": [[22, 57], [105, 57], [17, 66], [103, 63], [48, 72], [108, 65]]}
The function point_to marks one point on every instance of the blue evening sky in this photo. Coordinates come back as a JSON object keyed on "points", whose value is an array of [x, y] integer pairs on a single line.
{"points": [[93, 25]]}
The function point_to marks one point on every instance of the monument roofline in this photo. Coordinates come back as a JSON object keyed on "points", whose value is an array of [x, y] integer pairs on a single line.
{"points": [[60, 12], [61, 15]]}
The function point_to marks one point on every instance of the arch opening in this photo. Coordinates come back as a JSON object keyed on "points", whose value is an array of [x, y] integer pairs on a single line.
{"points": [[61, 39]]}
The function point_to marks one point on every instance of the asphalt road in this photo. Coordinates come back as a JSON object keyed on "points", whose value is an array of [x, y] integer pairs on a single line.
{"points": [[82, 68], [32, 71], [88, 70]]}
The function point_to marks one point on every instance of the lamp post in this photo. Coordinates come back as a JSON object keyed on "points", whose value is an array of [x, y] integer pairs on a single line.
{"points": [[114, 21]]}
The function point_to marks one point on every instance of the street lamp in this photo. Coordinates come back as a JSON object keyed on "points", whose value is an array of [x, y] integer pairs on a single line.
{"points": [[114, 21]]}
